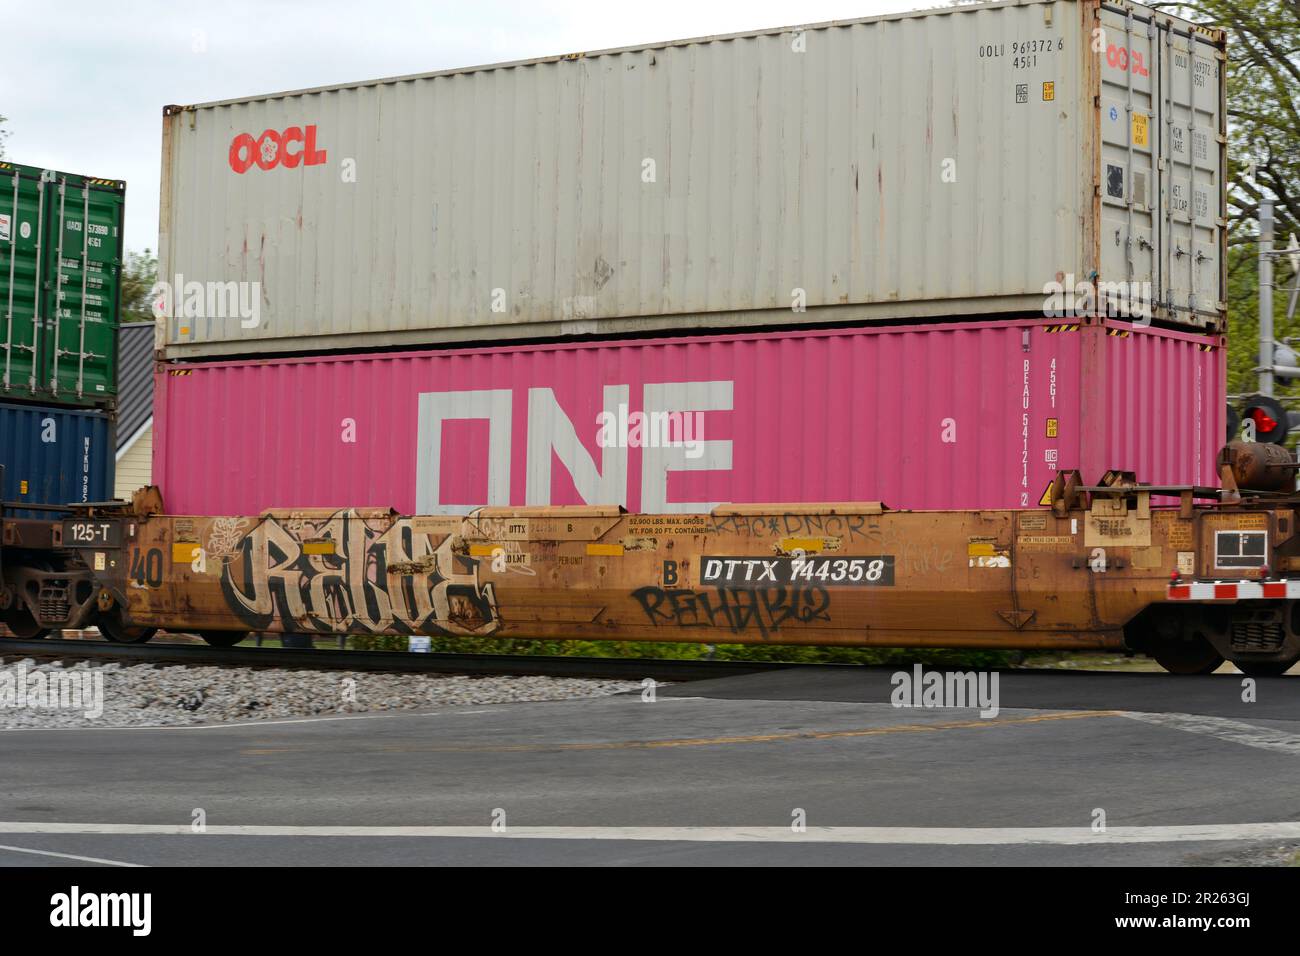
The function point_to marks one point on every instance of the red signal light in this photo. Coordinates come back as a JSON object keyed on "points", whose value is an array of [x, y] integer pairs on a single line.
{"points": [[1264, 422]]}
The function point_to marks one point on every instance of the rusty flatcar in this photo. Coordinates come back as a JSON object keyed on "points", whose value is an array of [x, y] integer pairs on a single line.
{"points": [[1191, 576]]}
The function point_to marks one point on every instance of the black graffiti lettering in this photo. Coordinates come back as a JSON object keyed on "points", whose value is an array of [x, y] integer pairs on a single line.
{"points": [[745, 609], [336, 575], [790, 524], [725, 525], [651, 600], [740, 610]]}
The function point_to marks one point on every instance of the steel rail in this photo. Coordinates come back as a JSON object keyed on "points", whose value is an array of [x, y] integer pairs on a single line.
{"points": [[440, 663]]}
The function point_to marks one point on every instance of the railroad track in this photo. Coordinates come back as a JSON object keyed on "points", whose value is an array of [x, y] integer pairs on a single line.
{"points": [[403, 661]]}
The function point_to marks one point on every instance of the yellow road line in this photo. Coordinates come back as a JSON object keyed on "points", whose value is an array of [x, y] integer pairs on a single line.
{"points": [[746, 739]]}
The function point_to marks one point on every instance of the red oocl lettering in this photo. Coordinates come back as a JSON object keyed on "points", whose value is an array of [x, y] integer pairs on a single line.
{"points": [[241, 152], [267, 155], [272, 149], [292, 135], [1121, 59]]}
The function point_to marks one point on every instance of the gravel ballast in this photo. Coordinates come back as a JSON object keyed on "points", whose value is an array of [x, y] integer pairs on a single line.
{"points": [[143, 695]]}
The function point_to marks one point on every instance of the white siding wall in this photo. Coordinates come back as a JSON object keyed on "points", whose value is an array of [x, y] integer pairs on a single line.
{"points": [[135, 468]]}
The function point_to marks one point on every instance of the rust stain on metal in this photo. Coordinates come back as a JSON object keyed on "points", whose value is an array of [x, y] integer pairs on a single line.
{"points": [[641, 544]]}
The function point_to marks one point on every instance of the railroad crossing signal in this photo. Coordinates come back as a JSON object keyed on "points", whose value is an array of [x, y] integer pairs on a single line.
{"points": [[1264, 419]]}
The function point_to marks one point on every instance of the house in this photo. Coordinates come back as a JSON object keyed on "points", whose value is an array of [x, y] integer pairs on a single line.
{"points": [[134, 408]]}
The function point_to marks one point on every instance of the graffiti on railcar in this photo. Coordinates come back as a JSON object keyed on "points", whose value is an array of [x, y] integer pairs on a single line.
{"points": [[854, 528], [738, 609], [345, 573]]}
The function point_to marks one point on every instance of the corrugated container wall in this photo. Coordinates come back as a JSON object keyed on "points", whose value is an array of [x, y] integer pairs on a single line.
{"points": [[60, 273], [55, 456], [959, 415], [926, 165]]}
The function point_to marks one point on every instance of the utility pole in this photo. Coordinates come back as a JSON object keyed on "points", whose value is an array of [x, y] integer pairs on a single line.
{"points": [[1293, 253], [1265, 297]]}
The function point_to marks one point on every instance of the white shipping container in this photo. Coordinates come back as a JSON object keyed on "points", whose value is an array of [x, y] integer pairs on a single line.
{"points": [[941, 164]]}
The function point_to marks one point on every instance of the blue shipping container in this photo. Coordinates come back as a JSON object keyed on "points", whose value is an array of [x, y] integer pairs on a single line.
{"points": [[55, 456]]}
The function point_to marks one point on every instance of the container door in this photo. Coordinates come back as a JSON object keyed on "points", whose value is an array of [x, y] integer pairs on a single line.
{"points": [[23, 212], [78, 349], [1191, 152], [1129, 194], [55, 456]]}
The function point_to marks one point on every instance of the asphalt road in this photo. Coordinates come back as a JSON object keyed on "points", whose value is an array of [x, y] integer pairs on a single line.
{"points": [[1184, 771]]}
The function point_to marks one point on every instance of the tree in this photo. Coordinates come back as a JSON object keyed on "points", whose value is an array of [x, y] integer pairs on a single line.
{"points": [[1263, 155], [4, 135], [1263, 105], [139, 273]]}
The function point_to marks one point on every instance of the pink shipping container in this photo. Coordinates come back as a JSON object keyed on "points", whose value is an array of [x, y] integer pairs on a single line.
{"points": [[960, 415]]}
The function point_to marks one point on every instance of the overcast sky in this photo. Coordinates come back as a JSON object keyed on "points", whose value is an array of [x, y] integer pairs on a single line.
{"points": [[83, 84]]}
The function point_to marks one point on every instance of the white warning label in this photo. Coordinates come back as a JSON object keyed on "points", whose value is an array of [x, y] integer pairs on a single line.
{"points": [[4, 227]]}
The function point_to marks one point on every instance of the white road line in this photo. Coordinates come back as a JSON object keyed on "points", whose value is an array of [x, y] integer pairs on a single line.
{"points": [[1234, 731], [67, 856], [935, 836]]}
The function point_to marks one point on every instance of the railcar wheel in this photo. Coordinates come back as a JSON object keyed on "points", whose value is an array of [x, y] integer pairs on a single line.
{"points": [[1265, 668], [23, 626], [223, 638], [111, 626], [1191, 654]]}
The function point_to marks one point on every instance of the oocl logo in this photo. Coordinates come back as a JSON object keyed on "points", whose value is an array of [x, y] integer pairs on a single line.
{"points": [[273, 149]]}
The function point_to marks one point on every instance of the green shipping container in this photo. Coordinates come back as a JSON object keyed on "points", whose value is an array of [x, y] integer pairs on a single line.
{"points": [[60, 285]]}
